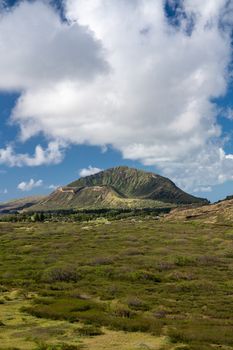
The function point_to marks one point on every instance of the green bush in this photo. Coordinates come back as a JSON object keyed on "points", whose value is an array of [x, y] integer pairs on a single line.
{"points": [[201, 332], [89, 331], [137, 304], [194, 296], [71, 309], [144, 276], [185, 261], [61, 274], [122, 311], [43, 301], [137, 324], [176, 336]]}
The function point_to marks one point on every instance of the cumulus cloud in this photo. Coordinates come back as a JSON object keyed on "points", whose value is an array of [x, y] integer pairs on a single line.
{"points": [[51, 155], [30, 185], [41, 50], [4, 191], [89, 171], [120, 73], [211, 166]]}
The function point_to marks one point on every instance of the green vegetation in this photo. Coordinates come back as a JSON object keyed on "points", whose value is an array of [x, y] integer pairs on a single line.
{"points": [[129, 284], [72, 215], [134, 183], [119, 188], [98, 197]]}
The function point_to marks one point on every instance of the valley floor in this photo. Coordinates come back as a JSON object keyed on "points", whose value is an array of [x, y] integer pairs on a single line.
{"points": [[131, 284]]}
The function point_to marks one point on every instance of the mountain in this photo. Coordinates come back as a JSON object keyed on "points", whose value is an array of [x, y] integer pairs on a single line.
{"points": [[119, 187], [19, 204], [134, 183]]}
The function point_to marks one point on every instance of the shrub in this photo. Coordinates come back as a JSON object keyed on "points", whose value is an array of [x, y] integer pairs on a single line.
{"points": [[122, 311], [66, 309], [61, 274], [137, 324], [89, 331], [102, 261], [201, 332], [207, 260], [176, 336], [164, 266], [178, 275], [184, 261], [3, 289], [133, 252], [137, 304], [145, 275], [43, 301], [82, 307], [160, 314]]}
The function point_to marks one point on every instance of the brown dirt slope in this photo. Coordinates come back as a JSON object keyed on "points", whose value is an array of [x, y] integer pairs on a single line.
{"points": [[221, 212]]}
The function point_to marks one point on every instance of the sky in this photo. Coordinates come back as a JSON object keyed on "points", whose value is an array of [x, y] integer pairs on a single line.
{"points": [[90, 84]]}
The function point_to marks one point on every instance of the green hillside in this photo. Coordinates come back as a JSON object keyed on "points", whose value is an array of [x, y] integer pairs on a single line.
{"points": [[119, 187], [134, 183], [95, 197]]}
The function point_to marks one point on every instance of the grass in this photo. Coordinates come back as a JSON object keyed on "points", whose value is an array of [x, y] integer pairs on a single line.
{"points": [[129, 284]]}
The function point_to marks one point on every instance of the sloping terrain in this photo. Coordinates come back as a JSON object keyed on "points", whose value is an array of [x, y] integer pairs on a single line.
{"points": [[95, 197], [119, 187], [221, 212], [134, 183], [20, 204]]}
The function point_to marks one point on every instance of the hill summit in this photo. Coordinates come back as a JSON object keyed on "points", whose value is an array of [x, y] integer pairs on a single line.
{"points": [[119, 187], [134, 183]]}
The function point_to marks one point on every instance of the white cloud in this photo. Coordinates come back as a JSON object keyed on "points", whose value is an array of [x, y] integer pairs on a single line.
{"points": [[119, 74], [53, 187], [30, 185], [203, 189], [228, 113], [211, 166], [40, 50], [51, 155], [4, 191], [89, 171]]}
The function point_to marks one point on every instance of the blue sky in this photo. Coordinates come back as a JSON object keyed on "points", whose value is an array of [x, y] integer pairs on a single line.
{"points": [[76, 158], [167, 110]]}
